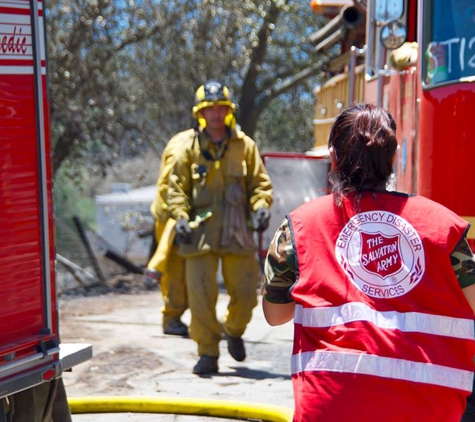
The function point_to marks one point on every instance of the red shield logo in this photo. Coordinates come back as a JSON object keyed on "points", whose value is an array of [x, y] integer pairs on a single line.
{"points": [[380, 254]]}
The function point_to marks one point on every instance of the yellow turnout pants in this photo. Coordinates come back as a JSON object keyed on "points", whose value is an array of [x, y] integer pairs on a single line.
{"points": [[173, 288], [172, 266], [240, 273]]}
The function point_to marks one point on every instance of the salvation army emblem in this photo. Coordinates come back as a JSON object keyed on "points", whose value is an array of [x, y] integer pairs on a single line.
{"points": [[381, 253]]}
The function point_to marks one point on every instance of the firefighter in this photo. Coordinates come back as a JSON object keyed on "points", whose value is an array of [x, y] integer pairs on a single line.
{"points": [[166, 266], [218, 185]]}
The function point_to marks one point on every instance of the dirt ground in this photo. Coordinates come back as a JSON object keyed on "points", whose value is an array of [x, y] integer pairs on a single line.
{"points": [[132, 357]]}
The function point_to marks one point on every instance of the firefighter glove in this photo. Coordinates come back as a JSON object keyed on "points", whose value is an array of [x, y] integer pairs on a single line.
{"points": [[262, 219], [183, 231]]}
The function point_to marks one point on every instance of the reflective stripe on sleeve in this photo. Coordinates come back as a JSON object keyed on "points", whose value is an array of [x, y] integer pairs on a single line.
{"points": [[406, 321], [360, 363]]}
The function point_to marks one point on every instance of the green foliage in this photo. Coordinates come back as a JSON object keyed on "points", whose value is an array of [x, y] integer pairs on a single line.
{"points": [[286, 124], [70, 201], [123, 73]]}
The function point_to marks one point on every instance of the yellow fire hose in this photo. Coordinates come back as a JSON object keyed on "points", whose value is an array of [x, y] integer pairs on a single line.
{"points": [[181, 406]]}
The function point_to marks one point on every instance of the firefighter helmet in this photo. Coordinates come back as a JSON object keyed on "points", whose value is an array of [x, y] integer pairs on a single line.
{"points": [[213, 93]]}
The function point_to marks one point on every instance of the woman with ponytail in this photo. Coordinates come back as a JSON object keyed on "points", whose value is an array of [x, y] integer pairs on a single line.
{"points": [[380, 287]]}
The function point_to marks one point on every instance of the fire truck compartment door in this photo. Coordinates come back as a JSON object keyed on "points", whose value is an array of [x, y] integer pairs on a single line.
{"points": [[28, 319]]}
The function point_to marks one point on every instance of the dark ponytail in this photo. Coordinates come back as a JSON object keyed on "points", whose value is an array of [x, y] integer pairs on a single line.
{"points": [[364, 142]]}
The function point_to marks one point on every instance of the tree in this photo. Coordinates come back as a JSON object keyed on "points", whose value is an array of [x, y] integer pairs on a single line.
{"points": [[123, 73]]}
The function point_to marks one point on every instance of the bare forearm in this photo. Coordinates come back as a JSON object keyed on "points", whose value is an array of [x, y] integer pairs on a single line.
{"points": [[469, 293], [278, 313]]}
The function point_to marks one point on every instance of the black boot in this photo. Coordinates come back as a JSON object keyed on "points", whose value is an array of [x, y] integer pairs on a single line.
{"points": [[175, 328], [236, 347], [206, 365]]}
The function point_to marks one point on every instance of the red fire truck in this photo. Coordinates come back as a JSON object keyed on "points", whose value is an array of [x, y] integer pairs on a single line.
{"points": [[30, 350], [416, 58]]}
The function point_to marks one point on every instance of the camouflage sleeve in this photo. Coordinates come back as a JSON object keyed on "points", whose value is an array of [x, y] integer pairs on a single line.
{"points": [[463, 263], [280, 272]]}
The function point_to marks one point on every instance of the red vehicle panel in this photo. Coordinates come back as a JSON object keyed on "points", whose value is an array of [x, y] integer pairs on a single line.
{"points": [[29, 347], [447, 120]]}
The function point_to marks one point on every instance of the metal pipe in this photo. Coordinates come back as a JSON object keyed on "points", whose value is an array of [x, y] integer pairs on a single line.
{"points": [[333, 31], [24, 361], [370, 29], [354, 51]]}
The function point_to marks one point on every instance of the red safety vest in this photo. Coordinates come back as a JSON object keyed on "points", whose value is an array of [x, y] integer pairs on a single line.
{"points": [[383, 331]]}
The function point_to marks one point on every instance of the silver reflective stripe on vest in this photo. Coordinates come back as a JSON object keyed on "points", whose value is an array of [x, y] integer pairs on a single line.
{"points": [[407, 321], [359, 363]]}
